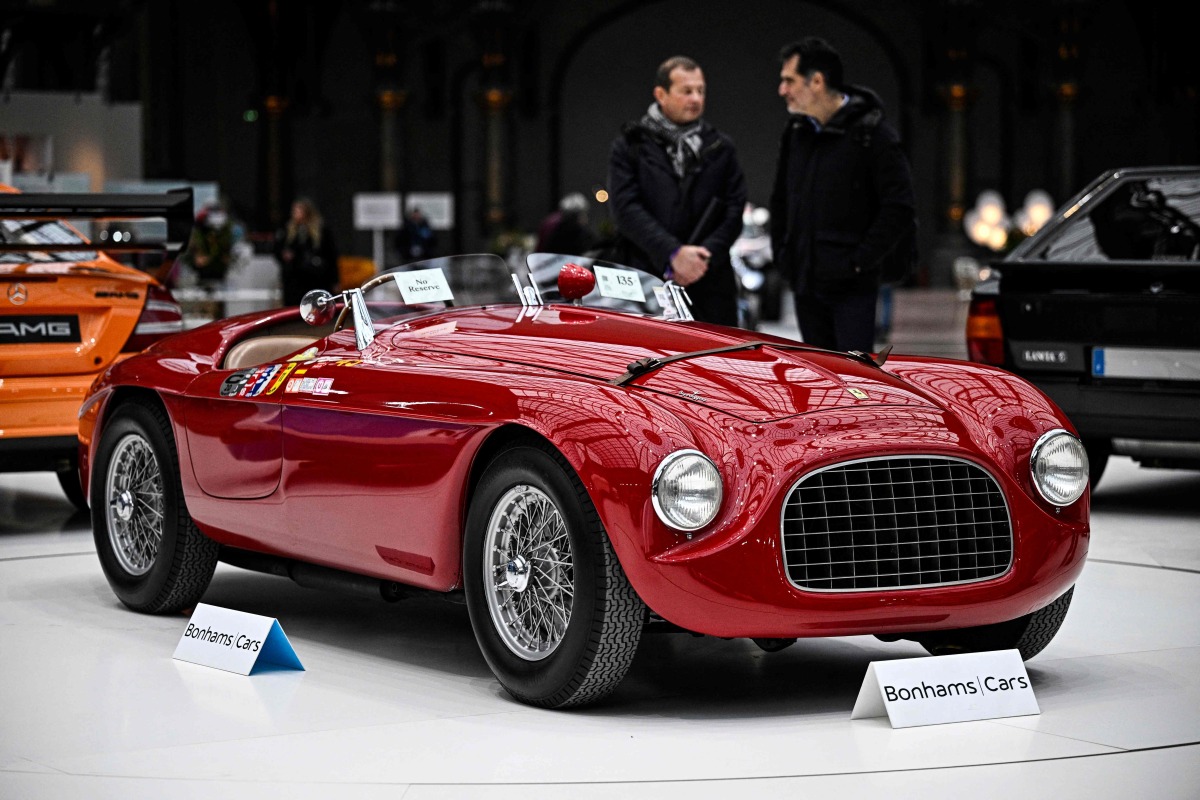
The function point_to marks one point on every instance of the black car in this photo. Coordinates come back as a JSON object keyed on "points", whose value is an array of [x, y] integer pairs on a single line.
{"points": [[1101, 310]]}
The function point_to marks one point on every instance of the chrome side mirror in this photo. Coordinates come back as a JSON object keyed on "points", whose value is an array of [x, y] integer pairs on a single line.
{"points": [[317, 307]]}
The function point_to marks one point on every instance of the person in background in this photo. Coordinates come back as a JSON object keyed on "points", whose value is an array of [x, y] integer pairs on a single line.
{"points": [[566, 230], [306, 252], [842, 198], [678, 191], [416, 240], [209, 253]]}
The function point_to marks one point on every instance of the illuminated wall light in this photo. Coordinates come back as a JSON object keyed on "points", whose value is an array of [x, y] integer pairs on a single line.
{"points": [[1040, 207], [988, 224], [997, 238], [601, 196], [1023, 222], [977, 229], [991, 207]]}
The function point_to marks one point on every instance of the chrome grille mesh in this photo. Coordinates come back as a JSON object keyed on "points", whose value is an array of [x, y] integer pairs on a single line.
{"points": [[902, 522]]}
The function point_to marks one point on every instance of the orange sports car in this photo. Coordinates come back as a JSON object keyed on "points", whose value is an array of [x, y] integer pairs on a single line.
{"points": [[68, 311]]}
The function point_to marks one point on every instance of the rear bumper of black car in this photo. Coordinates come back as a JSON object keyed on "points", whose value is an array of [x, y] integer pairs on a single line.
{"points": [[1128, 409]]}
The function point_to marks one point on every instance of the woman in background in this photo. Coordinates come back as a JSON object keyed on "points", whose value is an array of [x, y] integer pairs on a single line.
{"points": [[306, 253]]}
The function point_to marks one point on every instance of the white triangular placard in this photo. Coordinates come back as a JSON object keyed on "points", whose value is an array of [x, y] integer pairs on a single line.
{"points": [[940, 689], [235, 641]]}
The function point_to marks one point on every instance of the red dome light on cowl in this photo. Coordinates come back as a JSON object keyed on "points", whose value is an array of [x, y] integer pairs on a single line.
{"points": [[575, 282]]}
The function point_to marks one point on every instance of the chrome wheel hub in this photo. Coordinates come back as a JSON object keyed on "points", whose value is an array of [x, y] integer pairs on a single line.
{"points": [[517, 574], [122, 506], [528, 574]]}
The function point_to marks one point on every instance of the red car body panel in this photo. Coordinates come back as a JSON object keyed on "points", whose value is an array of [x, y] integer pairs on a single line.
{"points": [[364, 461]]}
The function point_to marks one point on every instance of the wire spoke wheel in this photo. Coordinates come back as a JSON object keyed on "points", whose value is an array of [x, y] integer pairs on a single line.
{"points": [[552, 610], [155, 558], [529, 577], [133, 490]]}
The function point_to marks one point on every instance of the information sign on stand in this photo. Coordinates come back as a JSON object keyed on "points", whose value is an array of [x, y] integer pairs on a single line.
{"points": [[235, 641], [939, 689], [438, 208], [377, 212]]}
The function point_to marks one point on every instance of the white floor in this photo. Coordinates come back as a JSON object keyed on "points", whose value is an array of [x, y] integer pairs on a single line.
{"points": [[397, 702]]}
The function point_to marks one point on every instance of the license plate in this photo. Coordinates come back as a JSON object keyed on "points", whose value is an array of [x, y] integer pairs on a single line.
{"points": [[1136, 362], [39, 329]]}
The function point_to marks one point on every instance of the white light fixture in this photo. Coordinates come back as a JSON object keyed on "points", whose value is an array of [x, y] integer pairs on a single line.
{"points": [[1040, 207], [989, 225], [991, 207]]}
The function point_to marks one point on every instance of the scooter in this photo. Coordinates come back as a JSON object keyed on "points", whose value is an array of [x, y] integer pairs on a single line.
{"points": [[760, 288]]}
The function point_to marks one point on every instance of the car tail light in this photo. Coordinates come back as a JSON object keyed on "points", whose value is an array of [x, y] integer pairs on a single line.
{"points": [[985, 337], [160, 317]]}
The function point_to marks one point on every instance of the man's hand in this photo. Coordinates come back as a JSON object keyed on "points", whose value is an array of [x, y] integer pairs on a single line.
{"points": [[689, 264]]}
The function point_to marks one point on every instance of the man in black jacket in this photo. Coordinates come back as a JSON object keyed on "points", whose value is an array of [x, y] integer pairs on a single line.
{"points": [[843, 197], [678, 192]]}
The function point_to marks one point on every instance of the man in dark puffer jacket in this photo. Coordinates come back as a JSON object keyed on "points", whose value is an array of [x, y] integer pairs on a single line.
{"points": [[843, 197], [678, 193]]}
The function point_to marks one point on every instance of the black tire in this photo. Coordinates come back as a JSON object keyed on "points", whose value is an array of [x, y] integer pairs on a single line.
{"points": [[154, 557], [68, 479], [1098, 451], [511, 565], [1028, 635]]}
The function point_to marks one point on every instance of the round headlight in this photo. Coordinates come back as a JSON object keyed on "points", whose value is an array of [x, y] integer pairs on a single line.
{"points": [[1059, 466], [687, 490]]}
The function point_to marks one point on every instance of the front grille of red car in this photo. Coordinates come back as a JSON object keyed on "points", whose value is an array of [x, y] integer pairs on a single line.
{"points": [[895, 523]]}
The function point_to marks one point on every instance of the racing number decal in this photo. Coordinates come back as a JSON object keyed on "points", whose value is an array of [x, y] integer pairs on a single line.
{"points": [[267, 380], [234, 383], [255, 381]]}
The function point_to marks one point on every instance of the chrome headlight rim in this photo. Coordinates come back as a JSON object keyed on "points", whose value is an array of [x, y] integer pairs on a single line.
{"points": [[664, 513], [1036, 476]]}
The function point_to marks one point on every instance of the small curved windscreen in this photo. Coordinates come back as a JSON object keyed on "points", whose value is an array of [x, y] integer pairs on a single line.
{"points": [[437, 283], [616, 286], [486, 279]]}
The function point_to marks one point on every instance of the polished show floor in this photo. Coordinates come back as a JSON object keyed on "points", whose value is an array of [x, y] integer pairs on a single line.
{"points": [[397, 702]]}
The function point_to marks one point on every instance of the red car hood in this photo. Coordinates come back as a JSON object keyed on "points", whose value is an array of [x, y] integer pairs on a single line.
{"points": [[773, 379]]}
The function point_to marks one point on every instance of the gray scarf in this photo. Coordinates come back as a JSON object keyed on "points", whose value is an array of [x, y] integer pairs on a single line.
{"points": [[683, 141]]}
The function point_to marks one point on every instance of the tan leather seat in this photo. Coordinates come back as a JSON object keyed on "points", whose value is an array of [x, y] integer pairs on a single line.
{"points": [[261, 349]]}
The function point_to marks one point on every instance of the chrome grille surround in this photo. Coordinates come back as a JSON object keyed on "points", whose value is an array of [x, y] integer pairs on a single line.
{"points": [[898, 522]]}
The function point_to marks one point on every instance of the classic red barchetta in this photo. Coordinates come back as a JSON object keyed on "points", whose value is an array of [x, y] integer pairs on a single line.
{"points": [[566, 447]]}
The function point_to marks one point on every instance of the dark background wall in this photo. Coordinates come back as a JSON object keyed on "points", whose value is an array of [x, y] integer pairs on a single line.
{"points": [[274, 98]]}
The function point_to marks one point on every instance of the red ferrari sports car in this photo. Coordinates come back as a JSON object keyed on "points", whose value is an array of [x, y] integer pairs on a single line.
{"points": [[562, 444]]}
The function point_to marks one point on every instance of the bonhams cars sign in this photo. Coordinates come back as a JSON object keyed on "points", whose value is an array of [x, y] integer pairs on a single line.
{"points": [[235, 641], [939, 689]]}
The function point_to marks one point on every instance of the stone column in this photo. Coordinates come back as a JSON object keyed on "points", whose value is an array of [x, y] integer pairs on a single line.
{"points": [[1066, 93], [390, 103], [277, 159], [494, 103]]}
